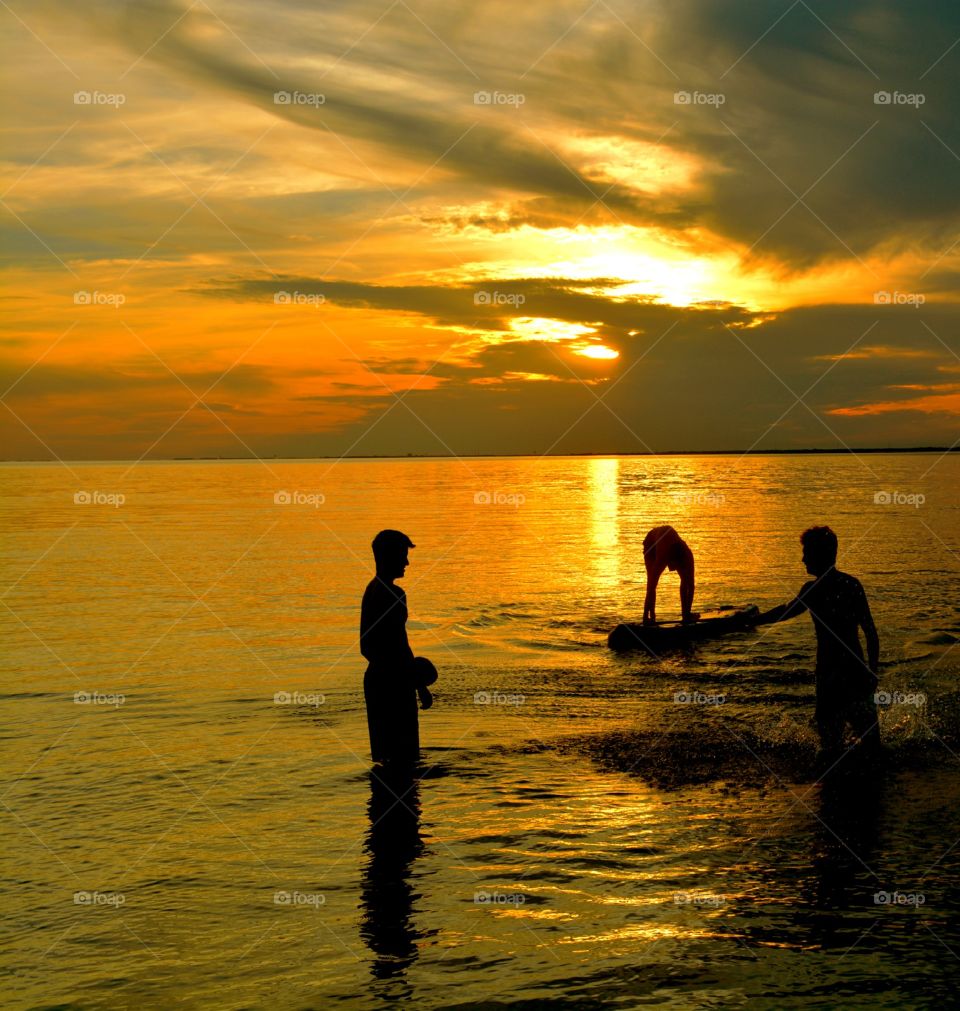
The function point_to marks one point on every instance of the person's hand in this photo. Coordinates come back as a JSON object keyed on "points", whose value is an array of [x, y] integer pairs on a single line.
{"points": [[426, 698]]}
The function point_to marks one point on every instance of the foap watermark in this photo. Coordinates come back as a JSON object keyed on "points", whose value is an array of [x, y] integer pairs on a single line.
{"points": [[116, 99], [498, 298], [914, 298], [698, 698], [308, 498], [314, 98], [514, 98], [499, 498], [496, 698], [700, 498], [112, 298], [899, 898], [295, 898], [899, 498], [914, 98], [313, 299], [112, 900], [699, 899], [109, 498], [900, 698], [493, 897], [115, 699], [315, 699], [714, 98]]}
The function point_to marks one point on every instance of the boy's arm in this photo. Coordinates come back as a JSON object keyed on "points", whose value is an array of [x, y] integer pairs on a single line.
{"points": [[783, 612], [865, 619]]}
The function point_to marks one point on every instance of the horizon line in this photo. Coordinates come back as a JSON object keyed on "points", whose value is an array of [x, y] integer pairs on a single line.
{"points": [[495, 456]]}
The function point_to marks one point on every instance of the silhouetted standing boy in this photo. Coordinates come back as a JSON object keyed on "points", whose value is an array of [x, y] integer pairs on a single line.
{"points": [[394, 677], [845, 682]]}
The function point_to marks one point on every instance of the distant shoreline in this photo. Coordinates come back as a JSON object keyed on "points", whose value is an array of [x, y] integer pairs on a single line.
{"points": [[503, 456]]}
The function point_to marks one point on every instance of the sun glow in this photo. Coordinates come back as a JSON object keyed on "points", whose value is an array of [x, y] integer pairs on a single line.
{"points": [[599, 351], [540, 329]]}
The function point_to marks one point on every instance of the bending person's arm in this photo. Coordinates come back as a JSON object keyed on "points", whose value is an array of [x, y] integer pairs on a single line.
{"points": [[650, 600]]}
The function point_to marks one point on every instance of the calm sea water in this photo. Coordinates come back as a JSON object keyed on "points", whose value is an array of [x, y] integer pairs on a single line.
{"points": [[188, 810]]}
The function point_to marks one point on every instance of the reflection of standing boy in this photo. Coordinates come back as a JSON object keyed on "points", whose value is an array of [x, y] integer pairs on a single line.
{"points": [[838, 605]]}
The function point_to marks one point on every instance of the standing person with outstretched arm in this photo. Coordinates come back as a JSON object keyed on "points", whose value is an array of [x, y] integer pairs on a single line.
{"points": [[394, 677], [846, 683], [663, 548]]}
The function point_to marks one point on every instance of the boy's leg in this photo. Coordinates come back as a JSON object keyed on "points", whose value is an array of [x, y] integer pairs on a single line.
{"points": [[862, 714], [830, 718]]}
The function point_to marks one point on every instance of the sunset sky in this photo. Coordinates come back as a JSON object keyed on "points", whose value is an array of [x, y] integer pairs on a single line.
{"points": [[303, 229]]}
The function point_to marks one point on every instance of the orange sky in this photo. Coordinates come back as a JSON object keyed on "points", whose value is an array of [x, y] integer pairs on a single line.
{"points": [[239, 231]]}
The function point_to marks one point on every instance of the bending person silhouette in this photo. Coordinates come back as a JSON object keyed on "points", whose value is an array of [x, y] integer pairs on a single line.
{"points": [[845, 682], [394, 677], [663, 548]]}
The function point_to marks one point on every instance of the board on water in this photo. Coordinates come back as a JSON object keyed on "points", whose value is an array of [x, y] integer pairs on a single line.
{"points": [[670, 634]]}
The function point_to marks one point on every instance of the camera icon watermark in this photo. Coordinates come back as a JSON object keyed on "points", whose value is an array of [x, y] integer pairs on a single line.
{"points": [[914, 98], [315, 699], [899, 498], [498, 298], [312, 299], [314, 98], [113, 900], [499, 498], [699, 899], [714, 98], [687, 698], [493, 897], [514, 98], [497, 698], [309, 899], [899, 899], [914, 298], [99, 98], [112, 298], [285, 498], [115, 699], [899, 698], [698, 498], [111, 498]]}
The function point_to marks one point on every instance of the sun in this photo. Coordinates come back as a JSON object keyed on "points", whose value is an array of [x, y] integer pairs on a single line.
{"points": [[598, 351]]}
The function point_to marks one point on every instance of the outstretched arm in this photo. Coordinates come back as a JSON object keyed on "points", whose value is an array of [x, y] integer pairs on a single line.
{"points": [[783, 612]]}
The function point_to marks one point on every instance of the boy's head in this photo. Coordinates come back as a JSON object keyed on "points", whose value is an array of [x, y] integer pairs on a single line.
{"points": [[819, 550], [390, 553]]}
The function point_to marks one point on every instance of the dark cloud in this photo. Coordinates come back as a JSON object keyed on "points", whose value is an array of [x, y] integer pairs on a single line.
{"points": [[46, 379], [487, 303], [798, 108]]}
